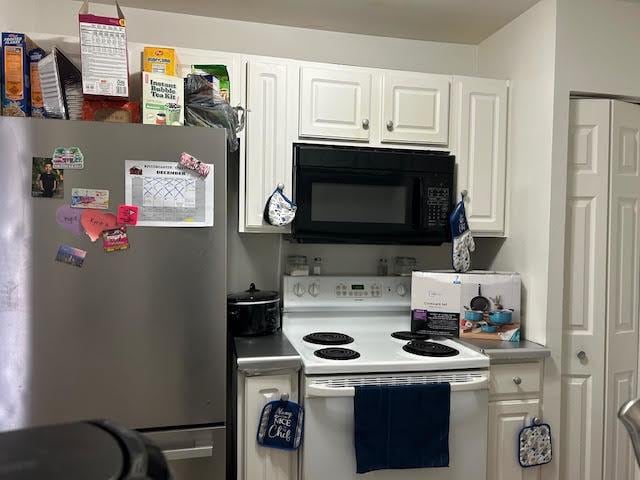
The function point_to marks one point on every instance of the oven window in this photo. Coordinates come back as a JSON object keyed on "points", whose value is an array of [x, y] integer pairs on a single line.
{"points": [[353, 203]]}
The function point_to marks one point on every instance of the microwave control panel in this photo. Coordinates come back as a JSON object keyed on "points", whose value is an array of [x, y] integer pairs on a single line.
{"points": [[437, 207]]}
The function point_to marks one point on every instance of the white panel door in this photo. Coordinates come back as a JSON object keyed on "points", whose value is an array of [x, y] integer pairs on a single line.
{"points": [[259, 463], [266, 160], [624, 272], [415, 108], [480, 146], [335, 103], [506, 419], [584, 326]]}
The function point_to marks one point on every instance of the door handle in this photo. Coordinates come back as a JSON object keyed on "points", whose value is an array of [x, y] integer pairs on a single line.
{"points": [[390, 125], [365, 123], [582, 355], [187, 453]]}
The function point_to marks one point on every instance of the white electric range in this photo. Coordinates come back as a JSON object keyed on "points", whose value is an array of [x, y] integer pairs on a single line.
{"points": [[342, 328]]}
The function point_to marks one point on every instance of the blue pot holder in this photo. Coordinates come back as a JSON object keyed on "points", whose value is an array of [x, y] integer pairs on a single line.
{"points": [[462, 240], [534, 445], [279, 210], [281, 425]]}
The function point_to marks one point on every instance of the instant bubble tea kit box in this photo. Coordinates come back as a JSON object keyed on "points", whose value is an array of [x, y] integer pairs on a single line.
{"points": [[162, 99], [479, 304]]}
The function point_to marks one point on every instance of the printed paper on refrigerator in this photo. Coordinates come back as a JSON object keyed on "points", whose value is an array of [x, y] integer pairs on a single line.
{"points": [[168, 194]]}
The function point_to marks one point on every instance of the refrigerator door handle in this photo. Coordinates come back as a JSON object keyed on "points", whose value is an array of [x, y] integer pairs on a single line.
{"points": [[187, 453]]}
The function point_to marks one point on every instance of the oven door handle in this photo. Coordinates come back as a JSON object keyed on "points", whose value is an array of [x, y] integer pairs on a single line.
{"points": [[320, 390]]}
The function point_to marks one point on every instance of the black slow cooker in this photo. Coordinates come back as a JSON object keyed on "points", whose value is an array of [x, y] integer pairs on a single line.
{"points": [[253, 312]]}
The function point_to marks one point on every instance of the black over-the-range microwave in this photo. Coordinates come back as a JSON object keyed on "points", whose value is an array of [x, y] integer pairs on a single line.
{"points": [[372, 195]]}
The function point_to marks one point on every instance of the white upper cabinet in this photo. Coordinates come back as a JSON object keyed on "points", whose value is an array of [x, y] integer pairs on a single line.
{"points": [[335, 103], [479, 141], [415, 108], [268, 160]]}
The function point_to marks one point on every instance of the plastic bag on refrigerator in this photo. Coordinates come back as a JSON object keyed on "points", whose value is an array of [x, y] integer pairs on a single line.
{"points": [[204, 107]]}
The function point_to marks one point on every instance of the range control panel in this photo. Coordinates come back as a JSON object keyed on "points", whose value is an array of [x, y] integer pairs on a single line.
{"points": [[346, 290]]}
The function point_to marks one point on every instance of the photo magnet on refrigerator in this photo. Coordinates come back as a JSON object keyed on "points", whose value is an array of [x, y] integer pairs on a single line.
{"points": [[71, 256], [46, 181]]}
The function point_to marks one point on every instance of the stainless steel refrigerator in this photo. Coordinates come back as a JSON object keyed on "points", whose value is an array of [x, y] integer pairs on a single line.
{"points": [[137, 336]]}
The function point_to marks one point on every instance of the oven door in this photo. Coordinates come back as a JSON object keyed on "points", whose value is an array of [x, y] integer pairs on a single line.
{"points": [[370, 206], [328, 447]]}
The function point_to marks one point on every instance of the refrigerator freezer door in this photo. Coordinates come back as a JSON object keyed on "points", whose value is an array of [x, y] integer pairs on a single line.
{"points": [[193, 453], [137, 336]]}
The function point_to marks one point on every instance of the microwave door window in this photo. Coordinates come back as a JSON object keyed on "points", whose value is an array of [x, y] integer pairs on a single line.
{"points": [[358, 203]]}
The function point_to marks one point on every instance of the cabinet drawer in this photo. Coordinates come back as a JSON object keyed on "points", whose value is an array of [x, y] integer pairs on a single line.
{"points": [[515, 379]]}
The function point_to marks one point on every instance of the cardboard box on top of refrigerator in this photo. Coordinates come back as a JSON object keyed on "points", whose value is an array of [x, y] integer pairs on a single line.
{"points": [[159, 60], [479, 304], [103, 50], [162, 99], [14, 71]]}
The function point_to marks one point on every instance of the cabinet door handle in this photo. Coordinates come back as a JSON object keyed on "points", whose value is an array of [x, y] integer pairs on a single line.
{"points": [[365, 124], [390, 125], [517, 380], [581, 355]]}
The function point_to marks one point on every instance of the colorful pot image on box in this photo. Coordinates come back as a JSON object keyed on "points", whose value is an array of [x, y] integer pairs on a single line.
{"points": [[481, 305]]}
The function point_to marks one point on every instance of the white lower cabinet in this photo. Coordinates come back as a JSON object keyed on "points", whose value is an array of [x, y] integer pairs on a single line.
{"points": [[256, 462], [506, 419], [514, 401]]}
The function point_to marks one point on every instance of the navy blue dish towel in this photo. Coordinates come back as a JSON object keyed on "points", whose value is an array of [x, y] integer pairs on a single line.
{"points": [[402, 426]]}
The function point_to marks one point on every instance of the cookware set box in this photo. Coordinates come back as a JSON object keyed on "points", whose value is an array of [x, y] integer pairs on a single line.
{"points": [[479, 304]]}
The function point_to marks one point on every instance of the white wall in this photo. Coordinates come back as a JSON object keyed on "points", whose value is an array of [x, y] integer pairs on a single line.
{"points": [[524, 52], [598, 43], [253, 257], [152, 27]]}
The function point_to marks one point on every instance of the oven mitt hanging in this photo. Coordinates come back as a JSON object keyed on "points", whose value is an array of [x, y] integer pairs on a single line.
{"points": [[281, 425], [279, 210], [463, 243], [534, 446]]}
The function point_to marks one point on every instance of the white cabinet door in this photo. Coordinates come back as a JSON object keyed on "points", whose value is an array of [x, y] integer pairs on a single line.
{"points": [[335, 103], [479, 143], [506, 419], [585, 290], [623, 286], [267, 162], [415, 108], [256, 462]]}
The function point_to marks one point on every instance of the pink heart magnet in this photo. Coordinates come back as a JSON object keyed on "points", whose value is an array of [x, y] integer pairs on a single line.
{"points": [[127, 215], [69, 219], [95, 222]]}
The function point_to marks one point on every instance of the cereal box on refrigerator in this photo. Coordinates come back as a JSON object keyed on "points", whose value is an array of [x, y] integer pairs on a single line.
{"points": [[37, 101], [103, 50], [16, 95]]}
